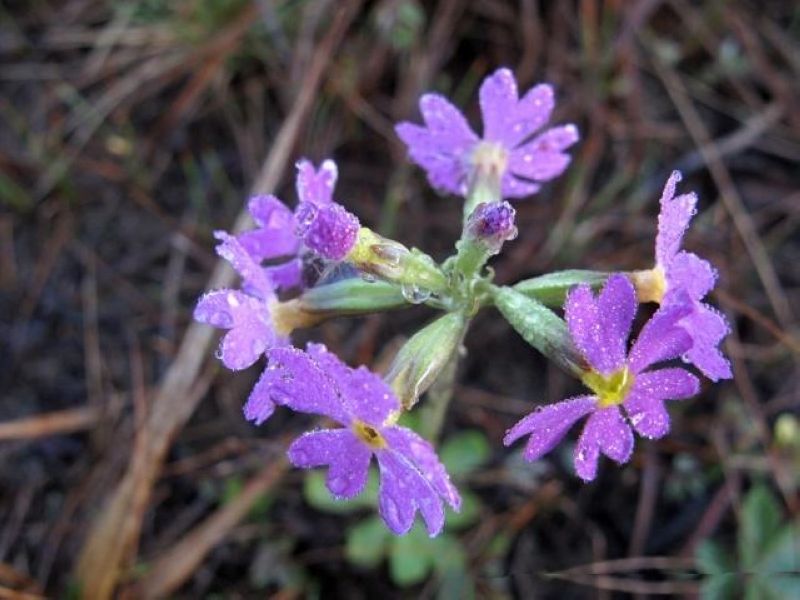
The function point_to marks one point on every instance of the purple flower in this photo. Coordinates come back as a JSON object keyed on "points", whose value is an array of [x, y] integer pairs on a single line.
{"points": [[317, 382], [318, 224], [452, 154], [600, 328], [678, 272], [246, 313]]}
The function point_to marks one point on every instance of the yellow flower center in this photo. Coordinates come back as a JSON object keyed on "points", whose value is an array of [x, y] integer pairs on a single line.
{"points": [[651, 285], [611, 390], [369, 435]]}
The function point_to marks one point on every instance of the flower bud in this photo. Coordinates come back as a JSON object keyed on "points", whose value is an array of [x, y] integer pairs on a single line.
{"points": [[330, 231], [492, 224], [424, 356]]}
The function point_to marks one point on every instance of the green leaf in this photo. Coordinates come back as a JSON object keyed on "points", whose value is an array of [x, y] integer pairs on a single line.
{"points": [[719, 587], [782, 554], [551, 289], [464, 452], [411, 556], [318, 496], [761, 521], [711, 558], [367, 543]]}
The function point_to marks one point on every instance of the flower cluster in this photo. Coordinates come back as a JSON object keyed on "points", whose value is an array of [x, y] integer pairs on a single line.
{"points": [[629, 387]]}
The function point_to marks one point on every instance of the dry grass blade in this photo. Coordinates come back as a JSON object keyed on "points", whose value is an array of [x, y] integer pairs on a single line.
{"points": [[113, 536], [54, 423]]}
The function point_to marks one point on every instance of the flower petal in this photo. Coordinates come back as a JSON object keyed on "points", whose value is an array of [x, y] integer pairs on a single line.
{"points": [[295, 380], [690, 273], [600, 327], [607, 432], [645, 401], [316, 185], [673, 220], [275, 234], [251, 272], [498, 99], [364, 394], [707, 327], [421, 453], [547, 425], [661, 338], [347, 457], [287, 275], [248, 318], [402, 491]]}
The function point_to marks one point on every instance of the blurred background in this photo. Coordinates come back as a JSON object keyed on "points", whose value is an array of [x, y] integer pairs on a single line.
{"points": [[130, 130]]}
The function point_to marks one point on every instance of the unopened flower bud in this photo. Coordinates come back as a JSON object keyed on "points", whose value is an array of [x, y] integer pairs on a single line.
{"points": [[329, 231], [492, 224]]}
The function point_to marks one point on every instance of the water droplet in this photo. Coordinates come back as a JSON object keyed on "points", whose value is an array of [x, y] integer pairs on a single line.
{"points": [[415, 294], [233, 301], [368, 277], [637, 418]]}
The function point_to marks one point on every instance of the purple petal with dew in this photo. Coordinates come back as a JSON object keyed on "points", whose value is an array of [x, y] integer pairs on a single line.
{"points": [[421, 453], [402, 491], [661, 337], [441, 117], [442, 158], [265, 244], [673, 219], [600, 326], [260, 405], [316, 185], [365, 395], [690, 273], [248, 319], [532, 113], [607, 432], [498, 99], [543, 158], [246, 342], [269, 212], [707, 327], [515, 187], [250, 270], [348, 459], [287, 275], [295, 380], [616, 307], [547, 425], [645, 401], [332, 232]]}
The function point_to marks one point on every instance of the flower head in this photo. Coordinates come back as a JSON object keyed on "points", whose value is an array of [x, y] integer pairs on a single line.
{"points": [[248, 313], [317, 224], [678, 274], [600, 327], [513, 149], [316, 381]]}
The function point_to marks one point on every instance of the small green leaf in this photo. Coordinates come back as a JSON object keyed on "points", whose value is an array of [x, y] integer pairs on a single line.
{"points": [[782, 554], [712, 559], [761, 520], [464, 452], [318, 496], [411, 556], [366, 543], [719, 587]]}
